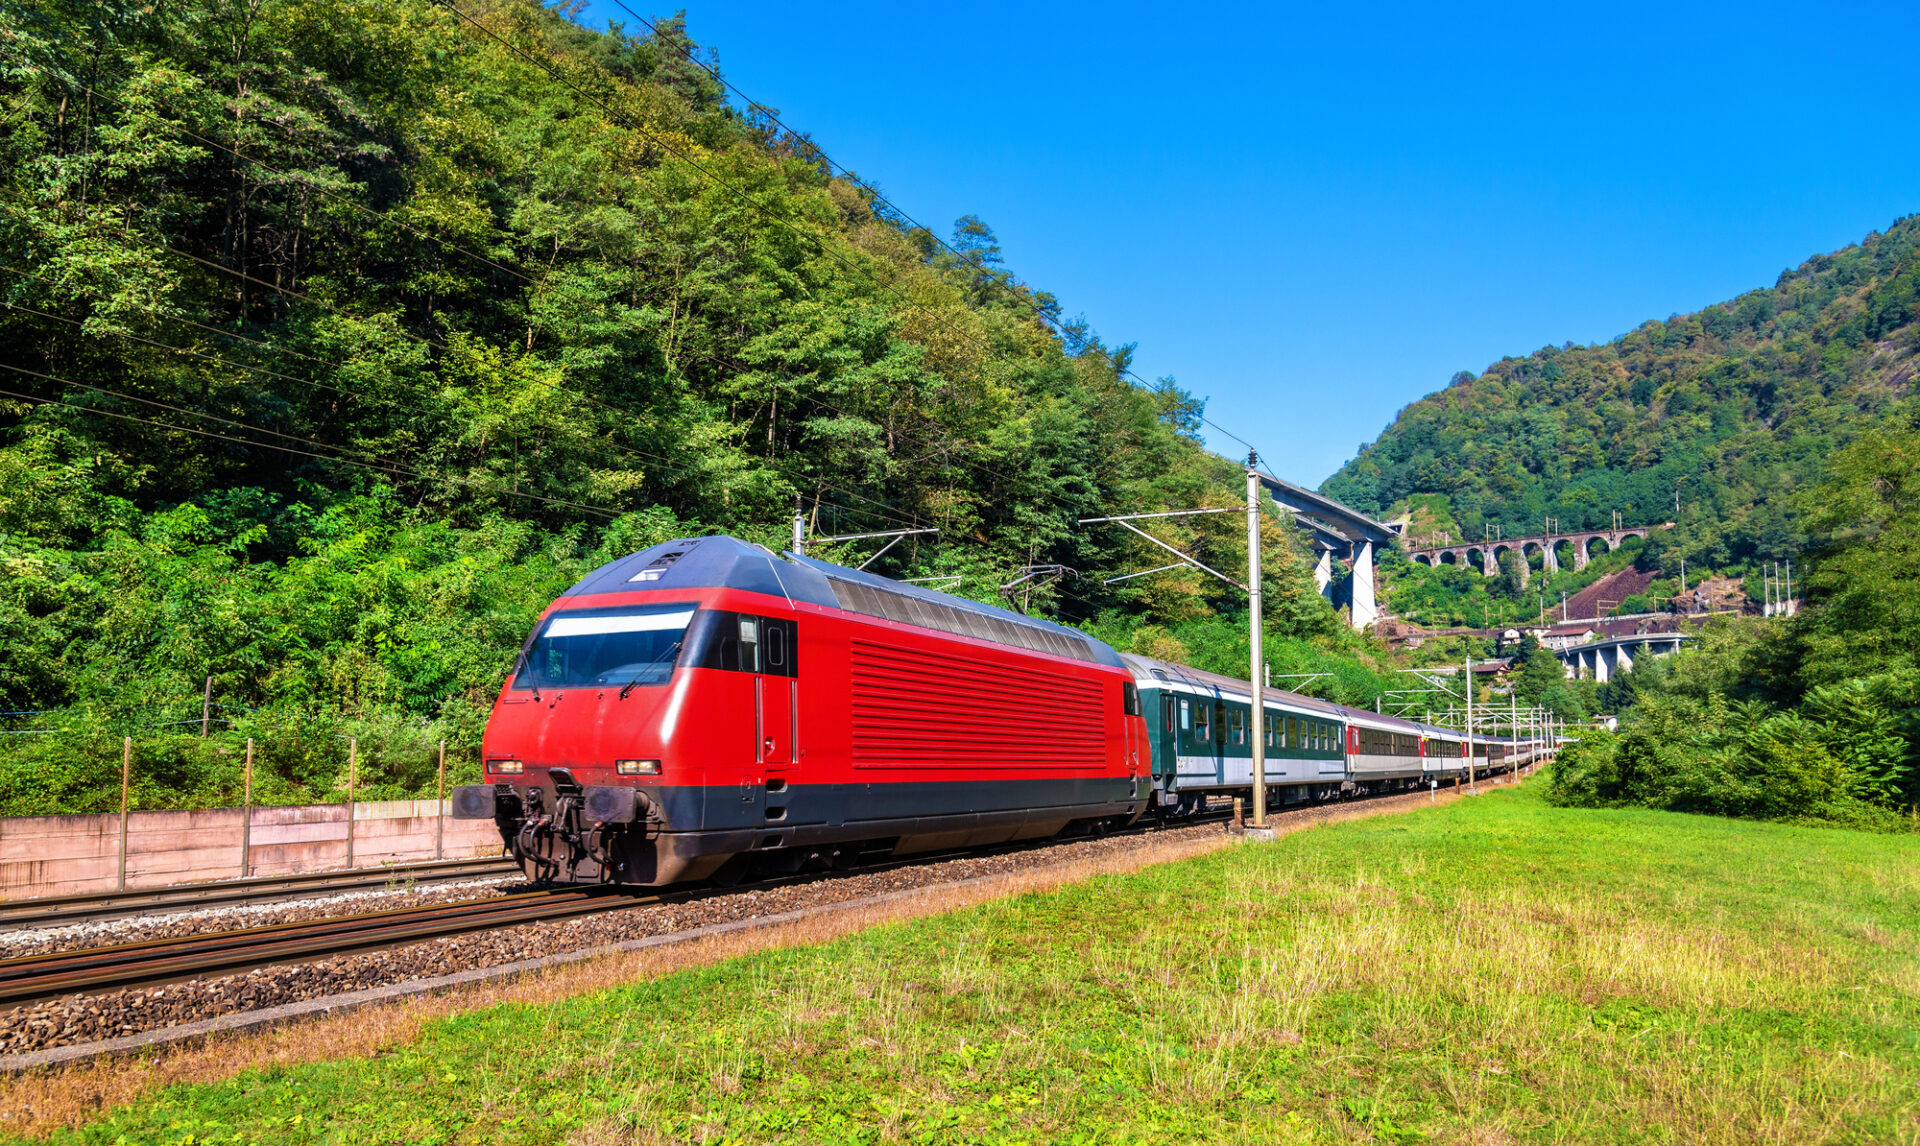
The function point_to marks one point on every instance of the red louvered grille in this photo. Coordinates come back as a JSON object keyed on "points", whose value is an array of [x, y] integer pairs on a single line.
{"points": [[919, 710]]}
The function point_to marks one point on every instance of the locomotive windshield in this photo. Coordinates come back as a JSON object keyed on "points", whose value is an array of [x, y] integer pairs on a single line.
{"points": [[624, 647]]}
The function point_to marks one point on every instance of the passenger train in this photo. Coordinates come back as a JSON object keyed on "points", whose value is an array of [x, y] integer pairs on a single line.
{"points": [[707, 707]]}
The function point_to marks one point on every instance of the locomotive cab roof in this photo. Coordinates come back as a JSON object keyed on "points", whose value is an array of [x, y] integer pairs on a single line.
{"points": [[730, 563]]}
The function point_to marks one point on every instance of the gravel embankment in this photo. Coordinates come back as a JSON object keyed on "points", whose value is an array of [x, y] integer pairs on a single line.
{"points": [[88, 1018]]}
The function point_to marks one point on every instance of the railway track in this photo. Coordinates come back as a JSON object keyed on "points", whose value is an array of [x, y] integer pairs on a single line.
{"points": [[95, 970], [153, 961], [149, 962], [56, 910]]}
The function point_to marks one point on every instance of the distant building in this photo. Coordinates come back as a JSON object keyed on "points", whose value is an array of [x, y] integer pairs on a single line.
{"points": [[1563, 636]]}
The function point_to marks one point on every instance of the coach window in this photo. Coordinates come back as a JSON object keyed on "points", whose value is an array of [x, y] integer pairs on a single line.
{"points": [[1239, 727], [1167, 716], [1200, 714], [1220, 723]]}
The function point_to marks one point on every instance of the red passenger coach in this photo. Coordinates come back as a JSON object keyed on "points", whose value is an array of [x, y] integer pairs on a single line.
{"points": [[707, 704]]}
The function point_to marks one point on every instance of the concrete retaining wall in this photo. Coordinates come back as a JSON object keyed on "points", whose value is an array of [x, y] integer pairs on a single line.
{"points": [[73, 855]]}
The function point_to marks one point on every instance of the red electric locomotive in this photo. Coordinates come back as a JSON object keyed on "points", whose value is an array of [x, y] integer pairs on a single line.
{"points": [[707, 704]]}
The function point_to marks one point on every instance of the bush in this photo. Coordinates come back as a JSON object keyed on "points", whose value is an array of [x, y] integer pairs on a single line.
{"points": [[1839, 761]]}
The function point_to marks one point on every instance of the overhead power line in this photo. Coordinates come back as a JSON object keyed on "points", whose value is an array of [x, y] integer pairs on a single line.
{"points": [[376, 467], [630, 452], [819, 243], [686, 51]]}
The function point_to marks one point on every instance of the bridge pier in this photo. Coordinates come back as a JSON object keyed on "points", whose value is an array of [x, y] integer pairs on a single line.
{"points": [[1337, 527], [1365, 612], [1605, 659]]}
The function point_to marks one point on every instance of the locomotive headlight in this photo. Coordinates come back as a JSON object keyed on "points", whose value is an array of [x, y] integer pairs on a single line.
{"points": [[637, 767], [506, 767]]}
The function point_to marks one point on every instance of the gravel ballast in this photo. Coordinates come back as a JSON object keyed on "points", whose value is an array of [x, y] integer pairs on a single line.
{"points": [[172, 924]]}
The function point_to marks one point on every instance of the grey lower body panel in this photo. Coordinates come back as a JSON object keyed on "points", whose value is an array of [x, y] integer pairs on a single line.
{"points": [[692, 831]]}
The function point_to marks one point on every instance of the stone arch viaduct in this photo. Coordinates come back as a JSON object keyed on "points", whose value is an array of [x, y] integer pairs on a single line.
{"points": [[1485, 555]]}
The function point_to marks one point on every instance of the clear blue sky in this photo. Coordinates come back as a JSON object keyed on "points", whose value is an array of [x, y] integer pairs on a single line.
{"points": [[1313, 215]]}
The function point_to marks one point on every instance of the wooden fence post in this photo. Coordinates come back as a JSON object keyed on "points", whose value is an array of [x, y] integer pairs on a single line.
{"points": [[246, 818], [353, 778], [440, 807], [206, 709], [126, 783]]}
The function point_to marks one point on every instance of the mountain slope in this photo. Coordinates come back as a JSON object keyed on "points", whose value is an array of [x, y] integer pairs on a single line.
{"points": [[1734, 406], [339, 338]]}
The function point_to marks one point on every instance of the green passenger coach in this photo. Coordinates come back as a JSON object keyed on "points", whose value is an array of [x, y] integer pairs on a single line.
{"points": [[1200, 729]]}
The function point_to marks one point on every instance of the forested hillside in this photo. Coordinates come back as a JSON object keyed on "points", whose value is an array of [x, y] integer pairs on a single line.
{"points": [[1734, 406], [340, 337], [1812, 717]]}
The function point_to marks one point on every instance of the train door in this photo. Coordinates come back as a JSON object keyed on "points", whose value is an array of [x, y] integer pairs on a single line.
{"points": [[1134, 727], [1166, 760], [769, 649]]}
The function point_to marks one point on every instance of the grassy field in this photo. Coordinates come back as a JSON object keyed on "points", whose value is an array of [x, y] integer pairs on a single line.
{"points": [[1492, 971]]}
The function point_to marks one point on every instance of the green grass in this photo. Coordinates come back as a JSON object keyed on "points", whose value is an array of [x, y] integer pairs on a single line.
{"points": [[1491, 971]]}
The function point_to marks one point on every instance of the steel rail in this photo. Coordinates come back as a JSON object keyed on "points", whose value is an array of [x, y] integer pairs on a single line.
{"points": [[96, 969], [53, 910]]}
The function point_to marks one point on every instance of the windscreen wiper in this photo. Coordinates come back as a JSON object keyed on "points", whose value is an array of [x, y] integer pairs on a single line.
{"points": [[628, 687], [520, 662]]}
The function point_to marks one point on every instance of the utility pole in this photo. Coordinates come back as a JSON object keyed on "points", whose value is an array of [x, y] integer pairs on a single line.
{"points": [[1789, 599], [1256, 658], [1515, 722], [1257, 709], [1563, 606], [799, 528], [1473, 783], [206, 709]]}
